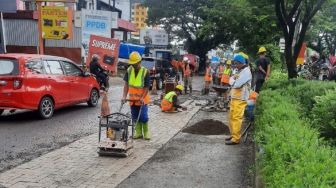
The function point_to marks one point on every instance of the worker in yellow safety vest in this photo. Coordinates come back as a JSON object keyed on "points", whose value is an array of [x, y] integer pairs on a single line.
{"points": [[170, 100], [207, 78], [241, 87], [137, 82], [225, 80]]}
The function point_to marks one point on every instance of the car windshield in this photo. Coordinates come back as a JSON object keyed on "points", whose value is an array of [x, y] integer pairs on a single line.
{"points": [[8, 67], [148, 64]]}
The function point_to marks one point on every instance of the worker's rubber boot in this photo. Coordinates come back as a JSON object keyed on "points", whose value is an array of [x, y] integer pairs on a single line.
{"points": [[185, 90], [138, 131], [190, 90], [146, 131]]}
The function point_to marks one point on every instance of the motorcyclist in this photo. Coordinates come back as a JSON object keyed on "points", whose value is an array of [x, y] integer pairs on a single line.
{"points": [[98, 71]]}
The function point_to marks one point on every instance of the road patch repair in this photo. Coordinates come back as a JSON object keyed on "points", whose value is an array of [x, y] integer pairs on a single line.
{"points": [[198, 157], [78, 164], [187, 150]]}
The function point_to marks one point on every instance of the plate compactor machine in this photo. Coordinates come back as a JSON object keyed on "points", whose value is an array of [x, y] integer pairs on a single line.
{"points": [[118, 141]]}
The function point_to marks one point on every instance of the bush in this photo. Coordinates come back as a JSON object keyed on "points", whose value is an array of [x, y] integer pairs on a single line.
{"points": [[306, 91], [292, 154], [324, 115]]}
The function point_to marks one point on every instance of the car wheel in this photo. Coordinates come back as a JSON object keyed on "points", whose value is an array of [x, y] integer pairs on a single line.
{"points": [[94, 97], [1, 111], [46, 108]]}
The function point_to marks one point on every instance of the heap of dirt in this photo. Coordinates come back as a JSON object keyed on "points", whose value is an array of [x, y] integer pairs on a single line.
{"points": [[207, 127]]}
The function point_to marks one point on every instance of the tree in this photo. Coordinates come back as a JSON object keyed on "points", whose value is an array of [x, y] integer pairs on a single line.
{"points": [[322, 33], [186, 20], [294, 18]]}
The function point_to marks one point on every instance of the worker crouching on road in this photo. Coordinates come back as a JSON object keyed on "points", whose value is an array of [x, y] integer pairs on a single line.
{"points": [[241, 86], [170, 101], [187, 77], [137, 82], [207, 78]]}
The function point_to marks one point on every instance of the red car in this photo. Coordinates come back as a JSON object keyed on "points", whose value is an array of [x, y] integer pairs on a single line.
{"points": [[44, 83]]}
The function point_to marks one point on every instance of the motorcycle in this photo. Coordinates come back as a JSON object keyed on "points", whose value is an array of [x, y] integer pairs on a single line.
{"points": [[103, 85]]}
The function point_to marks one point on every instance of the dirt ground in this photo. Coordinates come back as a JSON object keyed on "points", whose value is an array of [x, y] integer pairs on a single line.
{"points": [[198, 160]]}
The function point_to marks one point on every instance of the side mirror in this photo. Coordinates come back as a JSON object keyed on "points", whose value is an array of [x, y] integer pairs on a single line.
{"points": [[86, 74]]}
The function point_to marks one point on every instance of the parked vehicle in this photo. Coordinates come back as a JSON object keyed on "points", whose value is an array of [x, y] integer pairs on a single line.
{"points": [[155, 69], [44, 83]]}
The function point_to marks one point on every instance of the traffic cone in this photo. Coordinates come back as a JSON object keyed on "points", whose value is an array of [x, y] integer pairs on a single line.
{"points": [[154, 90], [105, 111], [105, 108]]}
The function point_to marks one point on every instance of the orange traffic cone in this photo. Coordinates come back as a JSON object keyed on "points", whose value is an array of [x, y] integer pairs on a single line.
{"points": [[105, 108], [105, 111], [154, 90]]}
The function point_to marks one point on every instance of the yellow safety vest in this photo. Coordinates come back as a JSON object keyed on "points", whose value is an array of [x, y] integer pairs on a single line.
{"points": [[136, 86], [167, 102]]}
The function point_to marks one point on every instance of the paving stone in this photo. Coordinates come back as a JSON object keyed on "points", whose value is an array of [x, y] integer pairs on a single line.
{"points": [[78, 165]]}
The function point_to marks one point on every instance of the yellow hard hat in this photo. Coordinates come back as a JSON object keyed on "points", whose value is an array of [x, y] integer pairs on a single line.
{"points": [[229, 62], [244, 55], [180, 87], [262, 50], [134, 58]]}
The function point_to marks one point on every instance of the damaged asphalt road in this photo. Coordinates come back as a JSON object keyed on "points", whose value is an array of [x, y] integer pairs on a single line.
{"points": [[197, 160], [23, 136]]}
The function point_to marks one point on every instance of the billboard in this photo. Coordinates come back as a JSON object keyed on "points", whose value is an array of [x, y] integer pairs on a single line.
{"points": [[153, 37], [94, 22], [56, 22], [106, 49]]}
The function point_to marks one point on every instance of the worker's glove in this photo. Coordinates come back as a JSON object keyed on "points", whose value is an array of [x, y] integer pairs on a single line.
{"points": [[142, 101]]}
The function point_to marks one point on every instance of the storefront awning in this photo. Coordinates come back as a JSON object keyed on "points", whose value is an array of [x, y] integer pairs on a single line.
{"points": [[126, 26]]}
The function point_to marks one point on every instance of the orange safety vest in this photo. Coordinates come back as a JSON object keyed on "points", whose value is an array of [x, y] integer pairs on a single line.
{"points": [[167, 101], [186, 70], [136, 86], [208, 77], [226, 76]]}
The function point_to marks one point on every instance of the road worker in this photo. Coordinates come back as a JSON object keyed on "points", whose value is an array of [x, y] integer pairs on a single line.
{"points": [[263, 69], [227, 71], [137, 83], [170, 101], [187, 77], [220, 71], [207, 78], [241, 86]]}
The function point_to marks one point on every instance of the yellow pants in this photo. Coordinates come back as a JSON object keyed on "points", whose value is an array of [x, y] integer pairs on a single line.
{"points": [[236, 115]]}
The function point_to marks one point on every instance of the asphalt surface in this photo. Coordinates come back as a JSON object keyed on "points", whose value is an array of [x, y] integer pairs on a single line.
{"points": [[23, 136], [193, 160]]}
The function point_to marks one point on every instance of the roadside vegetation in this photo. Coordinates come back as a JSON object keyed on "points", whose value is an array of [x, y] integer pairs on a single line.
{"points": [[296, 133]]}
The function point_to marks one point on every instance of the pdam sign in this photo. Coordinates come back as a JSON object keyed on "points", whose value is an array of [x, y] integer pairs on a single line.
{"points": [[106, 49]]}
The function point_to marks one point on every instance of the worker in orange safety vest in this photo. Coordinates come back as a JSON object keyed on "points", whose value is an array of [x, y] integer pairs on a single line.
{"points": [[187, 77], [207, 78]]}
